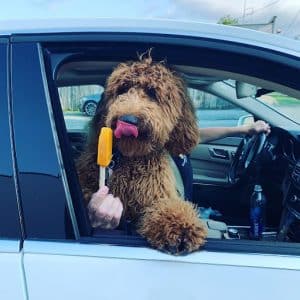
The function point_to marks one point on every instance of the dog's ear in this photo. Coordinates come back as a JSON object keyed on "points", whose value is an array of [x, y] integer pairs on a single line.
{"points": [[185, 135]]}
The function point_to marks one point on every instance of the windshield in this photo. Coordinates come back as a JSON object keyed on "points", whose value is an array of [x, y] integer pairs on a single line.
{"points": [[284, 104]]}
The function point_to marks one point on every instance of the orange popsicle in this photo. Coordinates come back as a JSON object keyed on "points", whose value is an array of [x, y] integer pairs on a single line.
{"points": [[104, 152]]}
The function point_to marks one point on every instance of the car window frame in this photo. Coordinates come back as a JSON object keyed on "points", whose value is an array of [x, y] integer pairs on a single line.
{"points": [[11, 226], [44, 212], [214, 245]]}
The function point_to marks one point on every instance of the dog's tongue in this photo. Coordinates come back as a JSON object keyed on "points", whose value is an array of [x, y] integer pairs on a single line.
{"points": [[126, 129]]}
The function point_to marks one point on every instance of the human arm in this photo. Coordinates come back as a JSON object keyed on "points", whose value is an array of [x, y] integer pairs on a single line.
{"points": [[104, 209], [215, 133]]}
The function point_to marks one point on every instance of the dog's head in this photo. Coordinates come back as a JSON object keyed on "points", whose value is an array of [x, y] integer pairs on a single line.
{"points": [[147, 106]]}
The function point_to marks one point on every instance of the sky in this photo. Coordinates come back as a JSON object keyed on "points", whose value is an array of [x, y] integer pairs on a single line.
{"points": [[254, 11]]}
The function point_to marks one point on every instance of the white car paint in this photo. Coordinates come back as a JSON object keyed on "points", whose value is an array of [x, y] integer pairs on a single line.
{"points": [[81, 271], [155, 26], [12, 280]]}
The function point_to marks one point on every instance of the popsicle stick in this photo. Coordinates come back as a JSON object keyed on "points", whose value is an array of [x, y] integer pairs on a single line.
{"points": [[101, 176]]}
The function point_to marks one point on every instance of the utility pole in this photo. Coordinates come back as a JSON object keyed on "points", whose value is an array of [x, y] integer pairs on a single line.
{"points": [[244, 10]]}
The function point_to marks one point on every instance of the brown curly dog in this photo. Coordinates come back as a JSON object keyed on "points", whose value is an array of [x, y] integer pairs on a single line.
{"points": [[148, 108]]}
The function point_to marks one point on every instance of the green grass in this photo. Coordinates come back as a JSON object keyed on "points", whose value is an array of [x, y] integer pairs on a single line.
{"points": [[285, 100]]}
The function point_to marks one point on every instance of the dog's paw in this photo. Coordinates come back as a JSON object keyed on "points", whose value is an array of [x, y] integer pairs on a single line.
{"points": [[173, 226]]}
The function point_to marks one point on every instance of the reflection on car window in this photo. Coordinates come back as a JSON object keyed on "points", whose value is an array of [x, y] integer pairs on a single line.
{"points": [[79, 105], [213, 111], [286, 105]]}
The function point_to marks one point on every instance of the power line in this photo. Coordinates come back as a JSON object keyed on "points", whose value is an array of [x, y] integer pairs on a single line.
{"points": [[266, 6], [293, 21], [259, 9]]}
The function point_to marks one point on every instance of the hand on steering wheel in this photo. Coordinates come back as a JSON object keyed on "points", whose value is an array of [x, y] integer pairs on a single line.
{"points": [[245, 156]]}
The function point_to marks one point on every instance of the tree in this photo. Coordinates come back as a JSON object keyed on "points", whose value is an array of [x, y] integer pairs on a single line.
{"points": [[228, 20]]}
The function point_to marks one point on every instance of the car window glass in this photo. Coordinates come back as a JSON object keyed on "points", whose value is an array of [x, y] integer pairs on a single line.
{"points": [[214, 111], [79, 105], [289, 106]]}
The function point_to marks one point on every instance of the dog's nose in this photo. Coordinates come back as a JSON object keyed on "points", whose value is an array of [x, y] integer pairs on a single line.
{"points": [[129, 119]]}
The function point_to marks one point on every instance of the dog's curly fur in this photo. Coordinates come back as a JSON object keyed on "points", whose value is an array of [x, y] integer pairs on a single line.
{"points": [[144, 180]]}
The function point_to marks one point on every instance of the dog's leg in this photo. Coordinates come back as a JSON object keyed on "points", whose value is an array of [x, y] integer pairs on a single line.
{"points": [[173, 225]]}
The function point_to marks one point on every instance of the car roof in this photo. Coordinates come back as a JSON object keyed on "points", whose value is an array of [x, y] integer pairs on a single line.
{"points": [[154, 26]]}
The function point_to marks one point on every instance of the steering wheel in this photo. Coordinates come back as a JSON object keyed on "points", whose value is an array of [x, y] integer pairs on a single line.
{"points": [[245, 156]]}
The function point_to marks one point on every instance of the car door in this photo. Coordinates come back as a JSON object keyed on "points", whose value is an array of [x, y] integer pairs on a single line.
{"points": [[63, 259], [211, 160], [12, 283]]}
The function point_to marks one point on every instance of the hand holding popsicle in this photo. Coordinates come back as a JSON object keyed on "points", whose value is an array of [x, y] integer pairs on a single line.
{"points": [[104, 209]]}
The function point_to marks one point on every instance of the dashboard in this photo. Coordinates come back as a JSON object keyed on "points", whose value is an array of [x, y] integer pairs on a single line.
{"points": [[282, 144], [283, 148]]}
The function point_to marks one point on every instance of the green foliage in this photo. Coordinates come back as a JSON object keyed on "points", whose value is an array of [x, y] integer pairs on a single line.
{"points": [[281, 99], [228, 20]]}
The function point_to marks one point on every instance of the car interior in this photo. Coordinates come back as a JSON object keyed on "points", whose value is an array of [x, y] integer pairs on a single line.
{"points": [[225, 171]]}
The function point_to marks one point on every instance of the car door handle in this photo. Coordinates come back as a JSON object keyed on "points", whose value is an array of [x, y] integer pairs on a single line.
{"points": [[219, 153]]}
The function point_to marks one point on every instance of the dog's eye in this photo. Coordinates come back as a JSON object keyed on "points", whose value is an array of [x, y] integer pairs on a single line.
{"points": [[151, 93], [123, 89]]}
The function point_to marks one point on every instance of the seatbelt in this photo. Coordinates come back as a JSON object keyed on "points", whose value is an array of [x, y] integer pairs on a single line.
{"points": [[178, 178]]}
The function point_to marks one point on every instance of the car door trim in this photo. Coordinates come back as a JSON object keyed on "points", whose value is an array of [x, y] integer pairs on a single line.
{"points": [[13, 145], [140, 253]]}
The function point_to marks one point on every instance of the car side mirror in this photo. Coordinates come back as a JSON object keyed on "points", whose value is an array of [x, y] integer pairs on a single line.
{"points": [[244, 89], [245, 120]]}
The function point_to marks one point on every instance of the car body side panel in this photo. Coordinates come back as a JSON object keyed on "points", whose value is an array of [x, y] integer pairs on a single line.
{"points": [[166, 27], [84, 271], [75, 271], [12, 280]]}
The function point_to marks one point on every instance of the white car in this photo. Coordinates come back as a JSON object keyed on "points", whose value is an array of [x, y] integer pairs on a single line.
{"points": [[48, 249]]}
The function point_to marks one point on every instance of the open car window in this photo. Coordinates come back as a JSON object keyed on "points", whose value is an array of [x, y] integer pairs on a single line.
{"points": [[216, 105]]}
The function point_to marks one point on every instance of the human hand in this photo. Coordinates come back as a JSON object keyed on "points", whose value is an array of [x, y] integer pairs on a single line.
{"points": [[258, 127], [104, 209]]}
